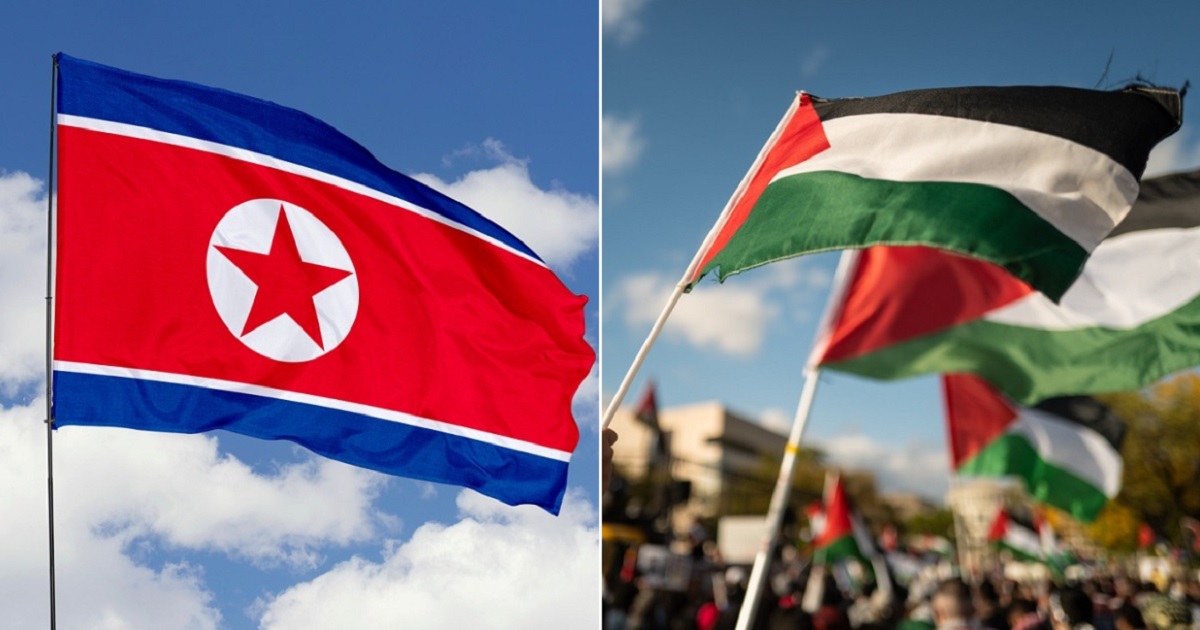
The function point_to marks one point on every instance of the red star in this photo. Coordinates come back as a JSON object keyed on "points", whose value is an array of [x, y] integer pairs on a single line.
{"points": [[286, 284]]}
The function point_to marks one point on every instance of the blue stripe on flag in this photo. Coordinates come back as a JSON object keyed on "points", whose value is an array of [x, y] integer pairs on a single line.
{"points": [[389, 447], [93, 90]]}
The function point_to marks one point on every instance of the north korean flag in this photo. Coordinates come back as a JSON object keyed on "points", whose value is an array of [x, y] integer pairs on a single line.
{"points": [[223, 262]]}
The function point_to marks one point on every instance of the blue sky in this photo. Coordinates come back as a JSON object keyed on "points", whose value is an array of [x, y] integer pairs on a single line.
{"points": [[691, 92], [495, 104]]}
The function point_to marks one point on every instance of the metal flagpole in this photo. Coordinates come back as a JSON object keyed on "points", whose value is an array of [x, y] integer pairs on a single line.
{"points": [[638, 359], [49, 331], [786, 471]]}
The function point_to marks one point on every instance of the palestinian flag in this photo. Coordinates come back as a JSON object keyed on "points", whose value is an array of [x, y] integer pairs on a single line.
{"points": [[929, 543], [647, 413], [836, 539], [647, 407], [1057, 556], [1017, 536], [1029, 178], [1132, 318], [1066, 450]]}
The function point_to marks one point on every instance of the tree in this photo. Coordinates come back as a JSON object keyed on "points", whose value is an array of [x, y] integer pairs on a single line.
{"points": [[1116, 528], [752, 494], [937, 523], [1161, 481]]}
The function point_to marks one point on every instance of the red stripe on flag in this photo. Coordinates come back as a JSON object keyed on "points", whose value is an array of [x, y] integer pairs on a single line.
{"points": [[902, 293], [802, 138], [976, 414], [449, 327]]}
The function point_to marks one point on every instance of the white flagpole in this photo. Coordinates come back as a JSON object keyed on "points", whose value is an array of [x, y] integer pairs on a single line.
{"points": [[787, 470], [638, 359]]}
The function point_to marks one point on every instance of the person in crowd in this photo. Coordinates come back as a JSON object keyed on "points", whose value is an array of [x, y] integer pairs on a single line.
{"points": [[1023, 615], [987, 607], [1163, 613], [1071, 609], [952, 607], [1128, 617], [831, 615], [608, 438]]}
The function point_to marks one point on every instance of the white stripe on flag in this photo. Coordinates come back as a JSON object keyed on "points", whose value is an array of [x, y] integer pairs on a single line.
{"points": [[262, 159], [1080, 191], [1129, 280], [316, 401], [1022, 539], [1071, 447]]}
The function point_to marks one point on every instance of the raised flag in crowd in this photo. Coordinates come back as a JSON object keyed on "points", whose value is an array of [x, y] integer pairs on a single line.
{"points": [[1029, 178], [1128, 321], [1015, 535], [839, 532], [836, 540], [647, 413], [224, 262], [1057, 555], [842, 535], [1065, 450]]}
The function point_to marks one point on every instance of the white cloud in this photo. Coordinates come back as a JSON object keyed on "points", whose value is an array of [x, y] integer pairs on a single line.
{"points": [[183, 491], [814, 60], [1179, 152], [586, 404], [499, 567], [732, 317], [428, 490], [622, 19], [621, 143], [777, 420], [120, 492], [22, 285], [557, 224], [914, 467]]}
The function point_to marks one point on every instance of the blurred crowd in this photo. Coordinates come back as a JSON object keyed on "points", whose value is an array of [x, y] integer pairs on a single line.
{"points": [[799, 596]]}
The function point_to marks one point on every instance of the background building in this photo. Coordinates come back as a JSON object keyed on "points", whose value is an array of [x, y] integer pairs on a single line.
{"points": [[725, 459], [975, 503]]}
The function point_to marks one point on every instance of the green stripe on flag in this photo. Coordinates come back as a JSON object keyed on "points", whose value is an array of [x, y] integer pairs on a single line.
{"points": [[1020, 553], [1013, 455], [839, 549], [817, 211], [1033, 364]]}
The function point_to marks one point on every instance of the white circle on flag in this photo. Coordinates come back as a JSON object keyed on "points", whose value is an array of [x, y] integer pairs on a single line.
{"points": [[251, 227]]}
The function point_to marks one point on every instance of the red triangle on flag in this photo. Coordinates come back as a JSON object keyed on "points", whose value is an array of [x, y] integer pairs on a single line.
{"points": [[976, 414], [837, 513], [647, 408], [900, 293], [999, 526]]}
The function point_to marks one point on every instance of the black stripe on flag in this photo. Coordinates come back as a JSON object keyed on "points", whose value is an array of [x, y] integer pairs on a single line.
{"points": [[1170, 201], [1122, 124], [1021, 521], [1089, 413]]}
